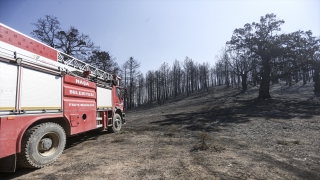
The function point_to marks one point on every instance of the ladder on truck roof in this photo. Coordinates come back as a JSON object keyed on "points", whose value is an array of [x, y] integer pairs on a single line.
{"points": [[83, 66]]}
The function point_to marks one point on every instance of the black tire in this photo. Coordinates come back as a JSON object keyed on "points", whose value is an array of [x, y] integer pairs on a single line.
{"points": [[41, 145], [116, 123]]}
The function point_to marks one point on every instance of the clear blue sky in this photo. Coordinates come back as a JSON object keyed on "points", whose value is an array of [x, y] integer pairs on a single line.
{"points": [[158, 31]]}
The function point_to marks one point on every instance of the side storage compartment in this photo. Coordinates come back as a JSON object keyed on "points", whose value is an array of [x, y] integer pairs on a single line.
{"points": [[8, 88], [79, 103], [104, 98], [104, 105], [40, 92]]}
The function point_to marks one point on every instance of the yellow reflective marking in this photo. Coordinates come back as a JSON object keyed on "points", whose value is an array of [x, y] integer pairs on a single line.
{"points": [[39, 108], [6, 108], [104, 107]]}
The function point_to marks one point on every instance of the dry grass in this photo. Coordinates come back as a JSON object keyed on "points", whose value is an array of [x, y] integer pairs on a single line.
{"points": [[228, 135], [288, 142], [118, 139]]}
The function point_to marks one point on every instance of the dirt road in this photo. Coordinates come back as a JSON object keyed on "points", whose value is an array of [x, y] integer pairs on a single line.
{"points": [[220, 134]]}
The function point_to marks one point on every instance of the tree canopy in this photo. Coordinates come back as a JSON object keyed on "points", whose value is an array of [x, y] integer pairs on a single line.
{"points": [[103, 60]]}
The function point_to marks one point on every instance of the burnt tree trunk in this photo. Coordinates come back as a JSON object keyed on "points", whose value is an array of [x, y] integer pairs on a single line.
{"points": [[316, 79], [289, 80], [244, 82], [238, 83], [265, 81], [304, 75], [254, 77], [296, 75]]}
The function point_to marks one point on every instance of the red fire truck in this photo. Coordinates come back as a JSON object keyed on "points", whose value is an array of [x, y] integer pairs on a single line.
{"points": [[47, 95]]}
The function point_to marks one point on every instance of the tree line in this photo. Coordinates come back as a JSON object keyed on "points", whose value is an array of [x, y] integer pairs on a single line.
{"points": [[183, 77], [257, 54]]}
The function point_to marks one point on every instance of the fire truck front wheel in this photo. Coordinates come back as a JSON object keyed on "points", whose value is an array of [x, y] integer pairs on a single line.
{"points": [[117, 123], [41, 145]]}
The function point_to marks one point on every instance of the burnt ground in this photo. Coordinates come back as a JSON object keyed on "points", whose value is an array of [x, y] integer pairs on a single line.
{"points": [[220, 134]]}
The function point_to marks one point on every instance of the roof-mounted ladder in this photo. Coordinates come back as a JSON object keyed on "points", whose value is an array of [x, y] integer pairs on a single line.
{"points": [[82, 66]]}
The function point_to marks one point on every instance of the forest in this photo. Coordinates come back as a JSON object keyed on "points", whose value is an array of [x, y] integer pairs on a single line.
{"points": [[256, 54], [251, 113]]}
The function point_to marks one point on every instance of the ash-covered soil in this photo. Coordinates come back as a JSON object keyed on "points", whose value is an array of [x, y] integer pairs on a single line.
{"points": [[219, 134]]}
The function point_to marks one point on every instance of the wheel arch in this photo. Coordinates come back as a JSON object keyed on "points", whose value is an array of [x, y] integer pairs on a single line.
{"points": [[41, 145], [118, 111], [39, 120]]}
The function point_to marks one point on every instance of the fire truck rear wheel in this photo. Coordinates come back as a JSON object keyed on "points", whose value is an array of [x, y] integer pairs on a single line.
{"points": [[41, 145], [117, 123]]}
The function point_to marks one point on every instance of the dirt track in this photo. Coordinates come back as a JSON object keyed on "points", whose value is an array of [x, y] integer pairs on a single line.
{"points": [[247, 138]]}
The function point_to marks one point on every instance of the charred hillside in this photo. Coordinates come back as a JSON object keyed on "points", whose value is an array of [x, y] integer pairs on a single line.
{"points": [[216, 134]]}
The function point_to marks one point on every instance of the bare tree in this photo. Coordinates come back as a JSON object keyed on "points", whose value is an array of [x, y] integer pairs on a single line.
{"points": [[219, 72], [188, 69], [176, 69], [164, 78], [103, 60], [204, 76], [150, 86], [141, 91], [213, 76], [242, 63], [74, 43], [132, 67], [46, 30]]}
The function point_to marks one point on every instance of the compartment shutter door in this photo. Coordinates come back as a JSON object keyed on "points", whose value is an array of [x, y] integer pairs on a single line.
{"points": [[8, 86], [40, 90]]}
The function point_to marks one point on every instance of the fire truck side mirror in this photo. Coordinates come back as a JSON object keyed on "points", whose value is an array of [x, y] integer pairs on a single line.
{"points": [[114, 82]]}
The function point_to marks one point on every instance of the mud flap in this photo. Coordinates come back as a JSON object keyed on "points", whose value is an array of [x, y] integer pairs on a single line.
{"points": [[8, 164]]}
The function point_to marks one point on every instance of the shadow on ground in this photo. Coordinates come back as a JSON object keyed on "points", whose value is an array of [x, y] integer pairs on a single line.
{"points": [[239, 111], [271, 162]]}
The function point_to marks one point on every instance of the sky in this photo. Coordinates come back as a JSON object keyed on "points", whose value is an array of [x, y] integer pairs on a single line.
{"points": [[158, 31]]}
